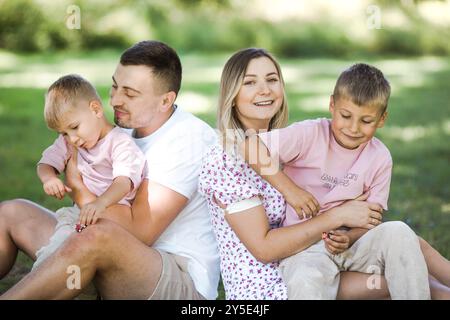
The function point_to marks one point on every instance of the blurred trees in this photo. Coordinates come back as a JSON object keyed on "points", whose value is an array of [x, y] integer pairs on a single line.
{"points": [[214, 25]]}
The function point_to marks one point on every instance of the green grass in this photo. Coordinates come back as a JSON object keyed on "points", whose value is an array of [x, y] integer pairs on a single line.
{"points": [[417, 131]]}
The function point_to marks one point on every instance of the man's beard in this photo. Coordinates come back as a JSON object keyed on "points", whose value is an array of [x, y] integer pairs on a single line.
{"points": [[122, 124]]}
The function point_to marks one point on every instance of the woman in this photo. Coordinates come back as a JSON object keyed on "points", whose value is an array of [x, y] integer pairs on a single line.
{"points": [[252, 98]]}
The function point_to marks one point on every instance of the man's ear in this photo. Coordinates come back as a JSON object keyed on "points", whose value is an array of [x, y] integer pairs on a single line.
{"points": [[331, 106], [168, 100], [96, 108], [383, 119]]}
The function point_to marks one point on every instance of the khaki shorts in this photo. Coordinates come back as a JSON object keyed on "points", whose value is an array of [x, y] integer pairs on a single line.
{"points": [[175, 282]]}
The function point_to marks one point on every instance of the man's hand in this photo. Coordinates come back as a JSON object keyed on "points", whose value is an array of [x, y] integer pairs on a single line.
{"points": [[336, 241], [80, 193], [73, 176], [91, 212], [56, 188], [303, 202]]}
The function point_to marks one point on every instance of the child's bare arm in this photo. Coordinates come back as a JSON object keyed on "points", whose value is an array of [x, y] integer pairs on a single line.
{"points": [[46, 172], [116, 191], [91, 212], [259, 159], [53, 186]]}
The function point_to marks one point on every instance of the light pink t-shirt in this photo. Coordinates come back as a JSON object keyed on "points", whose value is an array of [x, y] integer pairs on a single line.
{"points": [[332, 174], [113, 156]]}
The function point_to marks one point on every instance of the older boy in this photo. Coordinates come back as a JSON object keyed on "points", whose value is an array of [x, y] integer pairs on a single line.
{"points": [[327, 162]]}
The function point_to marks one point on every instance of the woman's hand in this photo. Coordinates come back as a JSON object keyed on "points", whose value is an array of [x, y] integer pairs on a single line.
{"points": [[360, 214]]}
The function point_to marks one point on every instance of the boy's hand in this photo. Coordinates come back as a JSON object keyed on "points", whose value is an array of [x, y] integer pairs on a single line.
{"points": [[303, 203], [336, 241], [56, 188], [91, 212]]}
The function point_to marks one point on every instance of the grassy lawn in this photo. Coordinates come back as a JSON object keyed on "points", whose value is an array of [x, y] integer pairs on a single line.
{"points": [[417, 131]]}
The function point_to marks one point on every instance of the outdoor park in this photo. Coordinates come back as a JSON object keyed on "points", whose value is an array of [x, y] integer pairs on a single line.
{"points": [[313, 40]]}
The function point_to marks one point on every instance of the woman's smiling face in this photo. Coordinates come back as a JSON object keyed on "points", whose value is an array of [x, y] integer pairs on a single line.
{"points": [[261, 94]]}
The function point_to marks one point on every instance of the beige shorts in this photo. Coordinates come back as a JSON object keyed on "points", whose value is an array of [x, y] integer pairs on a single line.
{"points": [[175, 282], [391, 248]]}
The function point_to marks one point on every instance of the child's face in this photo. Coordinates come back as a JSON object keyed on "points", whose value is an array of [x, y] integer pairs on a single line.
{"points": [[261, 93], [85, 126], [353, 125]]}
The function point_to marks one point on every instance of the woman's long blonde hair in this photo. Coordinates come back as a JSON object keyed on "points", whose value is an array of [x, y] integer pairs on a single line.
{"points": [[230, 83]]}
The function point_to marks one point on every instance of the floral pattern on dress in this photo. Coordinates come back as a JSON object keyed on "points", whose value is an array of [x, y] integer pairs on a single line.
{"points": [[229, 179]]}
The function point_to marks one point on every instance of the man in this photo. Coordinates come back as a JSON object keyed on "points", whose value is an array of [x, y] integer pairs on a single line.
{"points": [[176, 255]]}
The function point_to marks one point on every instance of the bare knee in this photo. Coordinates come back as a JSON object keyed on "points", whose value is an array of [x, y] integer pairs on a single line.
{"points": [[9, 210], [91, 242], [7, 207]]}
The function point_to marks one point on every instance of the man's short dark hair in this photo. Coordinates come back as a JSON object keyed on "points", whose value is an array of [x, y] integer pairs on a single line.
{"points": [[162, 59]]}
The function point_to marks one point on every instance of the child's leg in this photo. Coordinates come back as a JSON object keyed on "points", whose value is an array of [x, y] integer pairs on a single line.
{"points": [[67, 218], [392, 248], [438, 290], [354, 286], [438, 266], [310, 274]]}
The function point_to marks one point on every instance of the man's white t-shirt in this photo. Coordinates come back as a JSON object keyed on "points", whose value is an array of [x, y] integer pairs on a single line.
{"points": [[174, 156]]}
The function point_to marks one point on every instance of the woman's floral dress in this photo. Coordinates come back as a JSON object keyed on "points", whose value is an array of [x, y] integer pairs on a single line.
{"points": [[229, 179]]}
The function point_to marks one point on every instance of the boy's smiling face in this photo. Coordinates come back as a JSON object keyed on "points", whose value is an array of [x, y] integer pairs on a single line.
{"points": [[353, 125]]}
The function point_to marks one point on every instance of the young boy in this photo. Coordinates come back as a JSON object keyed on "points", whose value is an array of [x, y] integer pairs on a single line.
{"points": [[110, 163], [327, 162]]}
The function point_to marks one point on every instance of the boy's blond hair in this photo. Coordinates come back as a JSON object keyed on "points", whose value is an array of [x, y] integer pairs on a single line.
{"points": [[364, 85], [65, 95]]}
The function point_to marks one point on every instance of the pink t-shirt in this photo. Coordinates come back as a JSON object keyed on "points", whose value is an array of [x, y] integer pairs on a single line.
{"points": [[113, 156], [332, 174]]}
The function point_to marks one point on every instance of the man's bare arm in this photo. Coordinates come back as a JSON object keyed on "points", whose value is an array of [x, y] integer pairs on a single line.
{"points": [[154, 208], [80, 194]]}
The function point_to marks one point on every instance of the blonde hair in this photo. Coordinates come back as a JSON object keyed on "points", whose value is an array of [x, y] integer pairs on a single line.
{"points": [[64, 96], [230, 83], [364, 85]]}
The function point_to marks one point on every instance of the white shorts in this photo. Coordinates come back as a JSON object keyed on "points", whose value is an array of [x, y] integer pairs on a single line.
{"points": [[67, 219]]}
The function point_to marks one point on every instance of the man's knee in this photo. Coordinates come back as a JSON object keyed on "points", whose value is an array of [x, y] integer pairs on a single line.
{"points": [[9, 210], [92, 240]]}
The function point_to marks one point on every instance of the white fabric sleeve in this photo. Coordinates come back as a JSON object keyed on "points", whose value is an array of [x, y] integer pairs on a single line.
{"points": [[243, 205]]}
